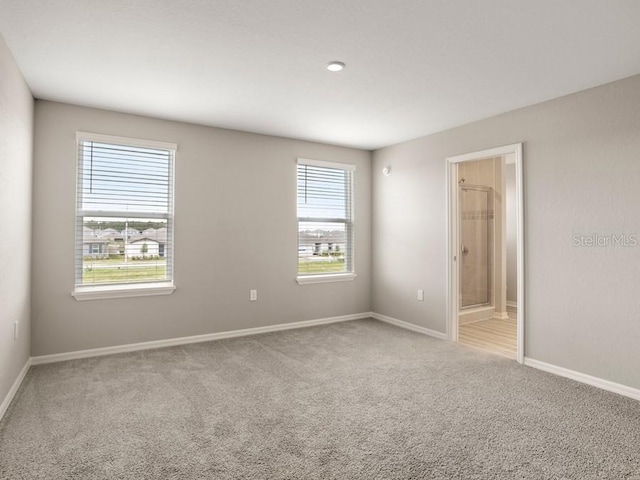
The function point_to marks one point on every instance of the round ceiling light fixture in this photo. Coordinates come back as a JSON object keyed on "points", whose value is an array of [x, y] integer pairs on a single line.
{"points": [[335, 66]]}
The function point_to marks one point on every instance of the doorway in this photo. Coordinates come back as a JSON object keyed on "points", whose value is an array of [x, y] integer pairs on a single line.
{"points": [[485, 257]]}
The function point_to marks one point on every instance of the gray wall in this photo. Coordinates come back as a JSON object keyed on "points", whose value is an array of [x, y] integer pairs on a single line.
{"points": [[235, 200], [16, 140], [581, 166]]}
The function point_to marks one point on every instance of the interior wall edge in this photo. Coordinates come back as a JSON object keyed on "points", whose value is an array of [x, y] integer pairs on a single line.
{"points": [[6, 402], [16, 187]]}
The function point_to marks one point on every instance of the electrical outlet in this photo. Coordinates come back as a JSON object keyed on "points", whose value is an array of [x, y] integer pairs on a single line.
{"points": [[253, 295], [421, 295], [15, 330]]}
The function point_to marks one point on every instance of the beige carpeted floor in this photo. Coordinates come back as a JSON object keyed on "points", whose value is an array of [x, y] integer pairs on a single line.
{"points": [[355, 400]]}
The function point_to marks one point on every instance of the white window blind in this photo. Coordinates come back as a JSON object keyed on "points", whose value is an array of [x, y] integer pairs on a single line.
{"points": [[124, 214], [325, 217]]}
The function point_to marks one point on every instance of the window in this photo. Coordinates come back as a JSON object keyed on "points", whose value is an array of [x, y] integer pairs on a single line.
{"points": [[325, 221], [124, 217]]}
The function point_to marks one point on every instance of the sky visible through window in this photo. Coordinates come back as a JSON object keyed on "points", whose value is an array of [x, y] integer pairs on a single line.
{"points": [[322, 192], [125, 178]]}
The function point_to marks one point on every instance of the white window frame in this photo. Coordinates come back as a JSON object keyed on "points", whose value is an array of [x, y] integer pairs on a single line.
{"points": [[138, 289], [331, 277]]}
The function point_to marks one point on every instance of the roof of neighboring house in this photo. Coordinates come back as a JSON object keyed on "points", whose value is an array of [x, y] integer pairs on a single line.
{"points": [[98, 233], [142, 239], [320, 236], [90, 235], [159, 235], [88, 240]]}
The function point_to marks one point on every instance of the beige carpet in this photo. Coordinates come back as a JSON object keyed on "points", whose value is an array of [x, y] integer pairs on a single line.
{"points": [[356, 400]]}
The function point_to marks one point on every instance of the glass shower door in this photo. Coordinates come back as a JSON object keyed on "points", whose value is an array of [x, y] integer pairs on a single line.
{"points": [[476, 216]]}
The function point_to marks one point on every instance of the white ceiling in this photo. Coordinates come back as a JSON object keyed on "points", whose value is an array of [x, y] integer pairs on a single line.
{"points": [[414, 67]]}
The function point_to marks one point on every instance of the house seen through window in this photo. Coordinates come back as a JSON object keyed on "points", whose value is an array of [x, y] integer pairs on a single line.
{"points": [[124, 216]]}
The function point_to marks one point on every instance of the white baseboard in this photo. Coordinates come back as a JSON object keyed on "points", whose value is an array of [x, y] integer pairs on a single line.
{"points": [[409, 326], [476, 314], [512, 304], [171, 342], [501, 315], [14, 388], [584, 378]]}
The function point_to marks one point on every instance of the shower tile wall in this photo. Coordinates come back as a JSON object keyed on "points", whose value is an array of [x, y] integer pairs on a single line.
{"points": [[477, 218], [477, 265]]}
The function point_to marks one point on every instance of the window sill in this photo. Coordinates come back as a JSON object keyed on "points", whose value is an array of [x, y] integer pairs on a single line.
{"points": [[103, 292], [312, 279]]}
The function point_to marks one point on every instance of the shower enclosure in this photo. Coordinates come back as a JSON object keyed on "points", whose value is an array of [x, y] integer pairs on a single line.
{"points": [[476, 248]]}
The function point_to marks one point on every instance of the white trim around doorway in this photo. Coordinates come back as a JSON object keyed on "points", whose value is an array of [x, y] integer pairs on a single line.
{"points": [[453, 242]]}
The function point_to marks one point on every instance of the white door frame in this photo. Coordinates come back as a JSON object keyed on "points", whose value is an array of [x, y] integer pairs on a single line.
{"points": [[453, 241]]}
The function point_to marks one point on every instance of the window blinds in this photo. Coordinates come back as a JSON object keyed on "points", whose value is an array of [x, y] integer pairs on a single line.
{"points": [[124, 179], [124, 217], [325, 217]]}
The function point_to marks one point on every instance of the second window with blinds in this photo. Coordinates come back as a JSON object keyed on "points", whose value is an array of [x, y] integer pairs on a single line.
{"points": [[325, 221]]}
